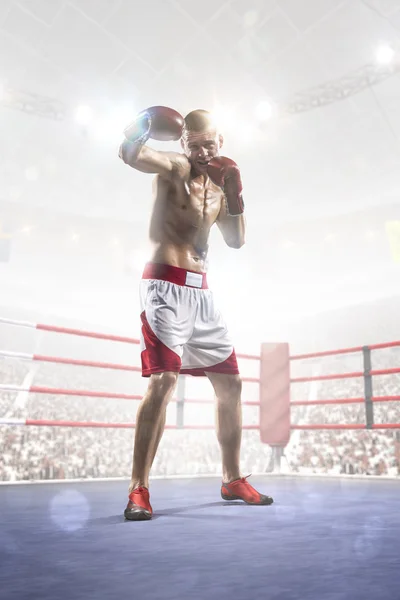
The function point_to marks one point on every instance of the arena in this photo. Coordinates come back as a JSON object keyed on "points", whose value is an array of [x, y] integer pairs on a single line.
{"points": [[307, 101]]}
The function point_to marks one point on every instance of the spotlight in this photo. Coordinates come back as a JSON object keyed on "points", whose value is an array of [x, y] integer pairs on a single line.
{"points": [[137, 259], [385, 54], [371, 234], [330, 237], [75, 237], [245, 132], [15, 192], [224, 116], [111, 126], [83, 115], [31, 174], [263, 111], [250, 19]]}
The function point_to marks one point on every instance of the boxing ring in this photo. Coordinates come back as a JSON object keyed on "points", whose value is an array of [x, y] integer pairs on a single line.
{"points": [[324, 538]]}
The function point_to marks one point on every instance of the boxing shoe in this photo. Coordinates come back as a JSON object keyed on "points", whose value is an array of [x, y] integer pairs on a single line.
{"points": [[139, 507], [240, 489]]}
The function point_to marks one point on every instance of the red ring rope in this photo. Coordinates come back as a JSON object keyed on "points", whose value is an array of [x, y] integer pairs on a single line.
{"points": [[90, 334], [351, 426], [85, 363], [322, 402], [97, 424], [124, 339], [345, 350], [327, 377], [326, 353]]}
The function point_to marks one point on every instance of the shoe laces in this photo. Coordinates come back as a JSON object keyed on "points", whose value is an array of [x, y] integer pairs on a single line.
{"points": [[241, 480], [140, 490]]}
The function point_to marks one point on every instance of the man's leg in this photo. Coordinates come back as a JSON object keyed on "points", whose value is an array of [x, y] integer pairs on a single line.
{"points": [[228, 389], [150, 422]]}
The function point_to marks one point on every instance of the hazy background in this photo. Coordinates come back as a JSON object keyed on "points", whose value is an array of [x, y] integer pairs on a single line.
{"points": [[308, 98], [307, 94]]}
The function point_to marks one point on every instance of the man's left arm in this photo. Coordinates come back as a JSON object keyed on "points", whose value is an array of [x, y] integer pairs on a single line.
{"points": [[233, 228], [225, 173]]}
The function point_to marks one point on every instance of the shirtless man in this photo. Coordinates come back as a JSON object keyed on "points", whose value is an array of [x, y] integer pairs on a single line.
{"points": [[182, 331]]}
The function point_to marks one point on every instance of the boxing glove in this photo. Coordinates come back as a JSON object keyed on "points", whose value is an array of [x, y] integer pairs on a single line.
{"points": [[225, 173], [158, 123]]}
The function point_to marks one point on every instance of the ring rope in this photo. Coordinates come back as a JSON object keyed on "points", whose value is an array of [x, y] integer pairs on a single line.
{"points": [[373, 372], [97, 424], [344, 401], [109, 395], [91, 334], [351, 426], [345, 350], [37, 389]]}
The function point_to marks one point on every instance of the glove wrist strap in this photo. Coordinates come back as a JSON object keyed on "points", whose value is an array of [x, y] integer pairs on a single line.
{"points": [[235, 208]]}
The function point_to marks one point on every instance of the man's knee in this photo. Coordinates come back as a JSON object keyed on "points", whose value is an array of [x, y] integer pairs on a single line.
{"points": [[229, 387], [162, 385]]}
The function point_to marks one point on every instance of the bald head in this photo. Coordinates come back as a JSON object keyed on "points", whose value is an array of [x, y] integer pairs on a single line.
{"points": [[200, 120]]}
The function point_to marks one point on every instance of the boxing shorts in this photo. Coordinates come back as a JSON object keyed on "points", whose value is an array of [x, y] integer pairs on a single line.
{"points": [[182, 331]]}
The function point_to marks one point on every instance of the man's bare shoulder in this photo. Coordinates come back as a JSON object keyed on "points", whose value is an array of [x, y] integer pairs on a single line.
{"points": [[180, 164]]}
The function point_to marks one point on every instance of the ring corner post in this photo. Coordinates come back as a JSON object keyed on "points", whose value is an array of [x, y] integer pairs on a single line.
{"points": [[275, 396], [368, 388], [180, 401]]}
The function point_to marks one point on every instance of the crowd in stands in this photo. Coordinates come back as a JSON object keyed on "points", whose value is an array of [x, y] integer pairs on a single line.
{"points": [[50, 452], [367, 452]]}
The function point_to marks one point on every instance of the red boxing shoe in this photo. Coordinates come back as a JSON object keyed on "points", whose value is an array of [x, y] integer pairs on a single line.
{"points": [[240, 489], [139, 507]]}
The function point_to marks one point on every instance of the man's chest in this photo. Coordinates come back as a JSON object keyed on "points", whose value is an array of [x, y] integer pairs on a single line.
{"points": [[202, 199]]}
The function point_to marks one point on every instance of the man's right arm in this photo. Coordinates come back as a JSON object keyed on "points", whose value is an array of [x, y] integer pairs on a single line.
{"points": [[147, 160], [159, 123]]}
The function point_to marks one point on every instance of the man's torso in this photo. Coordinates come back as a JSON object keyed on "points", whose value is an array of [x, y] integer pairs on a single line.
{"points": [[185, 208]]}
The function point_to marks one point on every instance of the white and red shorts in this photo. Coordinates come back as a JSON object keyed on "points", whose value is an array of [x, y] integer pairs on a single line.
{"points": [[182, 331]]}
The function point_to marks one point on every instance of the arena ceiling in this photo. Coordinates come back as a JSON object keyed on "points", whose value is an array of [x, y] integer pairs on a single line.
{"points": [[332, 141]]}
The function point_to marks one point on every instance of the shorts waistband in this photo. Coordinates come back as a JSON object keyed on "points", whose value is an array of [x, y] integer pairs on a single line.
{"points": [[175, 275]]}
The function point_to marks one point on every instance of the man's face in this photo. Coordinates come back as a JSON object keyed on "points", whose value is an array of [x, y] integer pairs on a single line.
{"points": [[200, 148]]}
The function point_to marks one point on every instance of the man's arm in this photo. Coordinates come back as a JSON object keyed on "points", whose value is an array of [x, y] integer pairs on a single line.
{"points": [[147, 160], [225, 173], [233, 229]]}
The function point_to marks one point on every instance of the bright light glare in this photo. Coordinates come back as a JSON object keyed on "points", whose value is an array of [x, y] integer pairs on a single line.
{"points": [[15, 192], [110, 128], [75, 237], [84, 115], [330, 237], [385, 54], [371, 234], [69, 510], [250, 18], [224, 116], [264, 111], [26, 229], [31, 174], [245, 132], [138, 258]]}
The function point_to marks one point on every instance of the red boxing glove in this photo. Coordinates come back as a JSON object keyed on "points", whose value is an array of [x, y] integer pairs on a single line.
{"points": [[225, 173], [158, 123]]}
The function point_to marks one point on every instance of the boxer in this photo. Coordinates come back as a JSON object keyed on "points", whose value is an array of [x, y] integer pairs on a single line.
{"points": [[182, 330]]}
